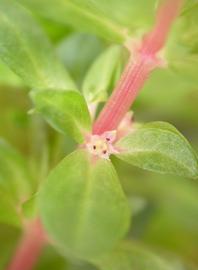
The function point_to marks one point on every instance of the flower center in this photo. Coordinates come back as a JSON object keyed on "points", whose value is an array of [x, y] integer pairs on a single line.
{"points": [[102, 145]]}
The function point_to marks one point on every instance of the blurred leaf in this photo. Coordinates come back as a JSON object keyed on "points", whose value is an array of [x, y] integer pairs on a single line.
{"points": [[51, 260], [55, 31], [15, 183], [8, 211], [66, 111], [168, 96], [170, 218], [130, 256], [91, 212], [175, 215], [78, 51], [159, 147], [110, 19], [8, 239], [182, 47], [81, 265], [15, 179], [7, 77], [188, 5], [14, 120], [26, 50], [29, 207], [100, 75]]}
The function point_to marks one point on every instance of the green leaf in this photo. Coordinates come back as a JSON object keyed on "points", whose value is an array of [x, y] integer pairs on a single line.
{"points": [[66, 111], [14, 120], [29, 207], [130, 256], [15, 184], [188, 6], [8, 212], [51, 259], [100, 75], [78, 51], [26, 50], [78, 15], [7, 77], [91, 213], [161, 148], [111, 19], [15, 178]]}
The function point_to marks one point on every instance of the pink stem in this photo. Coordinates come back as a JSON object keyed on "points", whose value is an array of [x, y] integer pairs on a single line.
{"points": [[29, 248], [138, 70]]}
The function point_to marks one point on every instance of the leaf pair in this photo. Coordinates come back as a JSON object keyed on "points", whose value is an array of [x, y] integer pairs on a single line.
{"points": [[97, 17], [91, 213], [26, 50]]}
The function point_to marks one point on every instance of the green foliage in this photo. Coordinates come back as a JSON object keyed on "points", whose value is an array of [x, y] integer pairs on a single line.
{"points": [[169, 219], [51, 260], [182, 47], [82, 205], [159, 147], [30, 208], [97, 16], [15, 183], [91, 213], [8, 239], [7, 77], [26, 50], [66, 111], [78, 51], [99, 77], [129, 256]]}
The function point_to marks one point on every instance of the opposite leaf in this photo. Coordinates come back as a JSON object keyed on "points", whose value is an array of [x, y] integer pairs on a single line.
{"points": [[26, 50], [100, 75], [90, 212], [130, 256], [66, 111], [161, 148]]}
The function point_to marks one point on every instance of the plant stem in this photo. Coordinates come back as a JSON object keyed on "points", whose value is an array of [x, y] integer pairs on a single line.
{"points": [[29, 248], [138, 70]]}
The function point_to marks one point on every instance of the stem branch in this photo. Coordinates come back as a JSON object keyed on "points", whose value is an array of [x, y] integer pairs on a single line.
{"points": [[138, 70], [29, 248]]}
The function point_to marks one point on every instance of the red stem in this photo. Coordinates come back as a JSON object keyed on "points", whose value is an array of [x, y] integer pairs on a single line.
{"points": [[138, 70], [29, 248]]}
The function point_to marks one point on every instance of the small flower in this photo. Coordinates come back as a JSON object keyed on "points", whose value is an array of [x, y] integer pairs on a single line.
{"points": [[102, 145]]}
